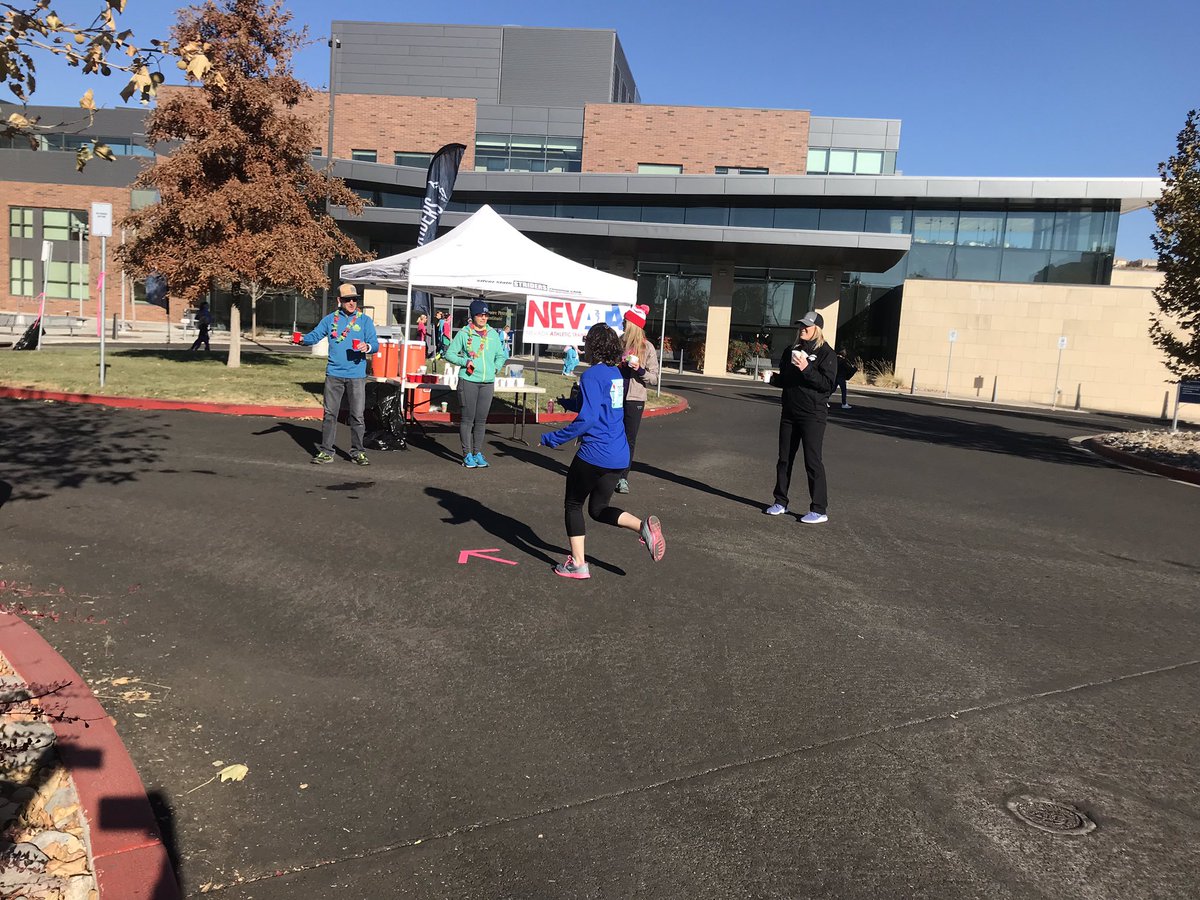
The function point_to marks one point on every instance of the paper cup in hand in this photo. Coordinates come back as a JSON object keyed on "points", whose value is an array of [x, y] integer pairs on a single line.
{"points": [[797, 355], [632, 362], [297, 337], [356, 344]]}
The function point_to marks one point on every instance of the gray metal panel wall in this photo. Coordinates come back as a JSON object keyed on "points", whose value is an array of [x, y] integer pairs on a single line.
{"points": [[418, 60], [857, 134], [58, 167], [556, 66], [555, 122], [622, 65]]}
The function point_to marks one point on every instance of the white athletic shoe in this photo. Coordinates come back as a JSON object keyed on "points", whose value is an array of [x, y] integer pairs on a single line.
{"points": [[814, 518]]}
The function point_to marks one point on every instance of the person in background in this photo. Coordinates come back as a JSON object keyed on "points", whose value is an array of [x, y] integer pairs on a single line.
{"points": [[425, 334], [479, 350], [602, 456], [570, 359], [806, 373], [203, 323], [845, 371], [440, 339], [352, 340], [508, 339], [639, 367]]}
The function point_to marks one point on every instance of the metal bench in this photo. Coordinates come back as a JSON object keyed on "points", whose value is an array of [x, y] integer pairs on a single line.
{"points": [[671, 357], [9, 321], [70, 323]]}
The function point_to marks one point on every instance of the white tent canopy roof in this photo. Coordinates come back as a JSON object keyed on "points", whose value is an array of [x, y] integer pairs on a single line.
{"points": [[485, 256]]}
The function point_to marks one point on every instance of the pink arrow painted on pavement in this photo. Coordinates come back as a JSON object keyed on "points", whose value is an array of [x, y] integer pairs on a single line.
{"points": [[482, 554]]}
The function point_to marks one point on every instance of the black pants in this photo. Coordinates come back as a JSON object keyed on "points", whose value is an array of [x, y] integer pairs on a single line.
{"points": [[809, 431], [841, 384], [596, 486], [202, 339], [633, 421]]}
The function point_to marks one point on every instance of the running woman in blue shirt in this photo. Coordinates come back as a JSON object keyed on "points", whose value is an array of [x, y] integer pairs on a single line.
{"points": [[603, 453]]}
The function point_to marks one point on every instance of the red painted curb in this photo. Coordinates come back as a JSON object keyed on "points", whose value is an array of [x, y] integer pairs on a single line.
{"points": [[228, 409], [276, 412], [1191, 476], [128, 855]]}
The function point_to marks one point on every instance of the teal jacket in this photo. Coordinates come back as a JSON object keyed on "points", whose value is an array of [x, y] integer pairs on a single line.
{"points": [[491, 356]]}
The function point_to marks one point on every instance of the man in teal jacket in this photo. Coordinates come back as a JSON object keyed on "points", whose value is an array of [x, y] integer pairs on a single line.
{"points": [[480, 351], [352, 340]]}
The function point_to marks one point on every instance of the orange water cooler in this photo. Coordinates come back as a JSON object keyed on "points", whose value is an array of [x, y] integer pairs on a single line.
{"points": [[414, 358]]}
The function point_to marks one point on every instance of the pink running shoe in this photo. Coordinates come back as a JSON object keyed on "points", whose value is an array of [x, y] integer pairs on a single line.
{"points": [[570, 569], [652, 537]]}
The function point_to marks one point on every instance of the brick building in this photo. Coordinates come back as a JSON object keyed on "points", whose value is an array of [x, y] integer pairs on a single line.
{"points": [[734, 221]]}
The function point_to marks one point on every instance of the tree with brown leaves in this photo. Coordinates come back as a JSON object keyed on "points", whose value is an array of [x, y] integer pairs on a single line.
{"points": [[97, 48], [240, 200]]}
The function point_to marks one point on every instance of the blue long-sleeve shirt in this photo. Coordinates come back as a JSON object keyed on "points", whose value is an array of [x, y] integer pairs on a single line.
{"points": [[344, 362], [600, 423]]}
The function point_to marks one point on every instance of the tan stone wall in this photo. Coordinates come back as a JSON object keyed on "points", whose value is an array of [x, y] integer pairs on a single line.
{"points": [[78, 197], [618, 136], [1147, 278], [388, 124], [1011, 332]]}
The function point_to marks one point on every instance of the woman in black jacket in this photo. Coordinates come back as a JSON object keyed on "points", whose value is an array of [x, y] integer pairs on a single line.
{"points": [[807, 371]]}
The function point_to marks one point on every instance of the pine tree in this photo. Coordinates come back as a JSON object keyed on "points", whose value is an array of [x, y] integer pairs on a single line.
{"points": [[1176, 331], [240, 200]]}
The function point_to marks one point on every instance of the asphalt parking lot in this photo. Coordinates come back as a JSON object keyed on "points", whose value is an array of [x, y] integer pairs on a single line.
{"points": [[990, 617]]}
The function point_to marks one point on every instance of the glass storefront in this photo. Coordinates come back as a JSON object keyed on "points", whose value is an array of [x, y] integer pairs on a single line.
{"points": [[682, 294]]}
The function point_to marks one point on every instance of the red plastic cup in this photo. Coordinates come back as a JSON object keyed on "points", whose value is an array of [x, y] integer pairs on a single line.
{"points": [[356, 344], [297, 337]]}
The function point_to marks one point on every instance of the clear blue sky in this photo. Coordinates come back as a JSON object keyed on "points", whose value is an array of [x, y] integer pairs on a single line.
{"points": [[1014, 88]]}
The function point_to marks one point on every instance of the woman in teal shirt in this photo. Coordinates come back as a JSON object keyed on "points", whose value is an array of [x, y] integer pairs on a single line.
{"points": [[480, 351]]}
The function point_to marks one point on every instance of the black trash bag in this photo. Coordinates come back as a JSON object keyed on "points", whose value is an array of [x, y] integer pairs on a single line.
{"points": [[385, 440], [31, 338]]}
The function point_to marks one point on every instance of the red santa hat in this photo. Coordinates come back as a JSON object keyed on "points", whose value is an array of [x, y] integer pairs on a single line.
{"points": [[637, 315]]}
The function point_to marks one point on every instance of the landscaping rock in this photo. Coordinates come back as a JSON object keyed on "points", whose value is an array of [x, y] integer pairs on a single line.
{"points": [[1181, 449]]}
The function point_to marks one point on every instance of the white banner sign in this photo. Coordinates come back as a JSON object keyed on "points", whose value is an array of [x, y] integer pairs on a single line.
{"points": [[562, 322]]}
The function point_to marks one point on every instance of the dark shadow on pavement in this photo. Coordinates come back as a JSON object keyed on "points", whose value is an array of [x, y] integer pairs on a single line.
{"points": [[133, 813], [506, 529], [542, 457], [46, 447], [695, 485], [306, 437], [944, 431], [6, 492]]}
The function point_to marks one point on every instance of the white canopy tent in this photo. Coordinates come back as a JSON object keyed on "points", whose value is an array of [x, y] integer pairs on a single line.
{"points": [[487, 257]]}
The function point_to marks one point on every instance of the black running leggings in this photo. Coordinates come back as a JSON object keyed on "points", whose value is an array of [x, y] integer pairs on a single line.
{"points": [[596, 486]]}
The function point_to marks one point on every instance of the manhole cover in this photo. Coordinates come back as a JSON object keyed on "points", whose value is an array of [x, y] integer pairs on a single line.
{"points": [[1050, 815]]}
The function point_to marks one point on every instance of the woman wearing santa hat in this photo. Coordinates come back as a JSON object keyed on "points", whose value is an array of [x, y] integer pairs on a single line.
{"points": [[639, 367]]}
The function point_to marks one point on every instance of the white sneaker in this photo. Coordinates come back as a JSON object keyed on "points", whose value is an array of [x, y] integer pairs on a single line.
{"points": [[847, 406], [814, 518]]}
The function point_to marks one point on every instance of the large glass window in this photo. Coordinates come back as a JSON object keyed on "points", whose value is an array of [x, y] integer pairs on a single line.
{"points": [[889, 221], [20, 222], [818, 161], [20, 277], [706, 215], [843, 219], [751, 217], [929, 261], [660, 169], [1029, 230], [527, 153], [868, 162], [67, 281], [412, 159], [63, 224], [980, 229], [976, 263], [934, 227], [1079, 231], [841, 162], [682, 295], [666, 215], [363, 155], [1024, 265], [799, 218]]}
